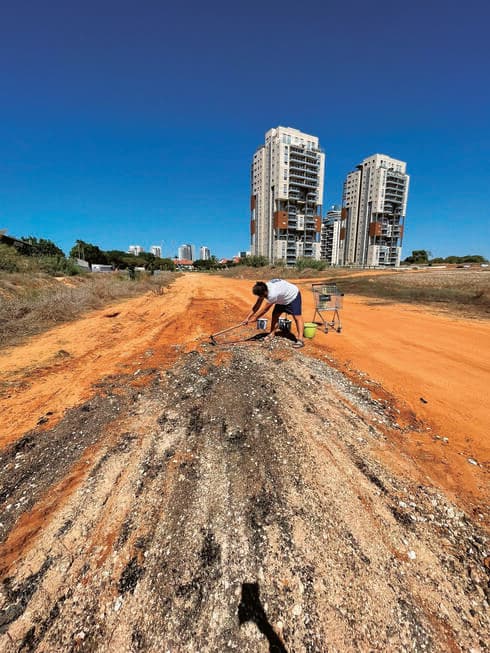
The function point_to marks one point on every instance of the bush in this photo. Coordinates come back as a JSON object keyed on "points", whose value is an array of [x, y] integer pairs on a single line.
{"points": [[311, 263], [10, 259], [58, 265], [255, 261]]}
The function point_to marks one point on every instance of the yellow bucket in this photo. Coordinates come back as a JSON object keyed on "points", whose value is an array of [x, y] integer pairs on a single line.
{"points": [[309, 330]]}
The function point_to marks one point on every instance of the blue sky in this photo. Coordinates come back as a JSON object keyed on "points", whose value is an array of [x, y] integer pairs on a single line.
{"points": [[135, 122]]}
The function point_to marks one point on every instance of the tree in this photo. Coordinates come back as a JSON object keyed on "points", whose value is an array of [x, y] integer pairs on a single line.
{"points": [[420, 256], [120, 259], [165, 264], [41, 247], [474, 258], [88, 252]]}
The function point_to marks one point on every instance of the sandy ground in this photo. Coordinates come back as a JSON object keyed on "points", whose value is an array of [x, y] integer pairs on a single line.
{"points": [[434, 369], [159, 493]]}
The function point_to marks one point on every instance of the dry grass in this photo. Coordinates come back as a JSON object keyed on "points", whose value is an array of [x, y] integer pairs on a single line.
{"points": [[459, 290], [31, 304], [462, 291]]}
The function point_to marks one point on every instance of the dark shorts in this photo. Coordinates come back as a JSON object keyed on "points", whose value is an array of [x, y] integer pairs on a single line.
{"points": [[294, 308]]}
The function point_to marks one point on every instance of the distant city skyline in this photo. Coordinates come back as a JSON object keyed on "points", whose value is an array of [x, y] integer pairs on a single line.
{"points": [[131, 136]]}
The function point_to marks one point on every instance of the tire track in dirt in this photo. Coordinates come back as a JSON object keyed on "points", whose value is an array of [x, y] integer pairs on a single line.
{"points": [[233, 506]]}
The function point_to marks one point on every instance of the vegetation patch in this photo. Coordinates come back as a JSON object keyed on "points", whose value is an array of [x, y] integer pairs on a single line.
{"points": [[458, 290], [32, 303]]}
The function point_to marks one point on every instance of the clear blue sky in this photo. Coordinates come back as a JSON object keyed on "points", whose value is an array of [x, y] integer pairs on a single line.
{"points": [[135, 122]]}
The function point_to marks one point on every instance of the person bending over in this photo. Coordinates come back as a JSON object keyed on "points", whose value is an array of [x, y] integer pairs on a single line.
{"points": [[285, 297]]}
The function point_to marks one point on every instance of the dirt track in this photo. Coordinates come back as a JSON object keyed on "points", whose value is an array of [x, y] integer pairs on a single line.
{"points": [[183, 497]]}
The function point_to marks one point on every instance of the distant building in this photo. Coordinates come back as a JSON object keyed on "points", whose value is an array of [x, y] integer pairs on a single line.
{"points": [[186, 252], [183, 264], [135, 249], [101, 267], [286, 196], [374, 207], [156, 250], [330, 239], [204, 253]]}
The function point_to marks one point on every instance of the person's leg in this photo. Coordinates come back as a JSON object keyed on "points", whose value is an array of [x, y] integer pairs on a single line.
{"points": [[300, 325], [296, 309], [274, 320]]}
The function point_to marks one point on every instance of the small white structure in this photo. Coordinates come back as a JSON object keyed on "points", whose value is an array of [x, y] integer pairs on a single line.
{"points": [[101, 267]]}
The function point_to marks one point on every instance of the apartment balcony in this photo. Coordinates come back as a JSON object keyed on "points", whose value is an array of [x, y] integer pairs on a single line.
{"points": [[397, 187], [394, 193]]}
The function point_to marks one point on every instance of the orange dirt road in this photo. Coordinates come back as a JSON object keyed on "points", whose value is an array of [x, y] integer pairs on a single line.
{"points": [[432, 369]]}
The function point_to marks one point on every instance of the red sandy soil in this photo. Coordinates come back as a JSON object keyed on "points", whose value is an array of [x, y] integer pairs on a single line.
{"points": [[432, 369]]}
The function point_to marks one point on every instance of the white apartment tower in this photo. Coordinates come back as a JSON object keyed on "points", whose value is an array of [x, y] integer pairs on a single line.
{"points": [[330, 238], [135, 249], [287, 177], [204, 253], [156, 250], [374, 207], [186, 252]]}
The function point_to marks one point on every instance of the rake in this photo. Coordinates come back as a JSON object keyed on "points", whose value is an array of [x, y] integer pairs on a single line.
{"points": [[213, 335]]}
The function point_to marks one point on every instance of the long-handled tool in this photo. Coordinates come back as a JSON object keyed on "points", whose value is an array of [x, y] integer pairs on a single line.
{"points": [[213, 335]]}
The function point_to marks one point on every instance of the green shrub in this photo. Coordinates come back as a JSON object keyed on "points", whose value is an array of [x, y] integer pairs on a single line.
{"points": [[57, 265], [255, 261], [310, 263], [11, 260]]}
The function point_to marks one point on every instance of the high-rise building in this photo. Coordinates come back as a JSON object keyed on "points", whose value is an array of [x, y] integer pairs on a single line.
{"points": [[374, 207], [204, 253], [186, 252], [135, 249], [156, 250], [330, 238], [286, 196]]}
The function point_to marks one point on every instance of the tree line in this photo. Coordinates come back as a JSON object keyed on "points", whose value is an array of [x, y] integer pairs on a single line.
{"points": [[424, 257]]}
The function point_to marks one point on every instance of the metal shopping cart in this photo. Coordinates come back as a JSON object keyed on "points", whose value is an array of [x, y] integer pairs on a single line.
{"points": [[328, 298]]}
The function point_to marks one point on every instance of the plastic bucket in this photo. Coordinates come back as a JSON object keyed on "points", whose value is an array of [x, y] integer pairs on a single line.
{"points": [[309, 330], [285, 324], [262, 323]]}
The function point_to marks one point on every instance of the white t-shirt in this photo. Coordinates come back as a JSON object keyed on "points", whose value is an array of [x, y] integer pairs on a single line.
{"points": [[280, 291]]}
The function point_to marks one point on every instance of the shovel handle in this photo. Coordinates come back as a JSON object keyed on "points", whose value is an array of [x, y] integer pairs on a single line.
{"points": [[228, 329]]}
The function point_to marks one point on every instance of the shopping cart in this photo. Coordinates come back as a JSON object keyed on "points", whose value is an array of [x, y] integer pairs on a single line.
{"points": [[328, 298]]}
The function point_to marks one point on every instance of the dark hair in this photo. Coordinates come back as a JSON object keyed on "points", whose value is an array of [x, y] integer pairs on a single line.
{"points": [[260, 289]]}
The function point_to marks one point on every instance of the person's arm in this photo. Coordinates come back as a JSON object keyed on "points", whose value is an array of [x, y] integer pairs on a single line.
{"points": [[264, 310], [255, 308]]}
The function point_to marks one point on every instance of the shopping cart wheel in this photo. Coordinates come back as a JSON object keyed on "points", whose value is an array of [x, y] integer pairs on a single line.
{"points": [[339, 330]]}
